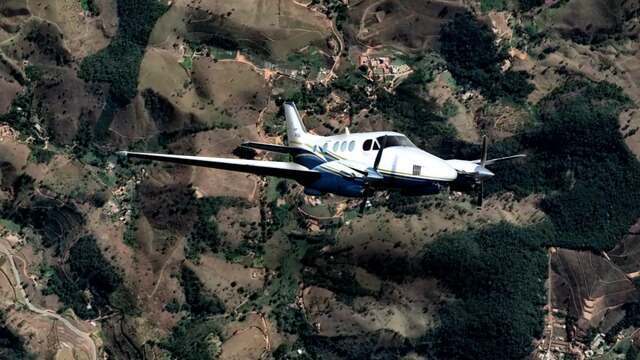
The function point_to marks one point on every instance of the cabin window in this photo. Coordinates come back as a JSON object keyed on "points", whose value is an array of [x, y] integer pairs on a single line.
{"points": [[366, 146], [376, 146], [336, 146], [325, 147], [417, 169], [343, 147], [352, 145]]}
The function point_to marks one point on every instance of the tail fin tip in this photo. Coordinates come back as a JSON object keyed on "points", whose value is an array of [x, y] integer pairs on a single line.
{"points": [[295, 126]]}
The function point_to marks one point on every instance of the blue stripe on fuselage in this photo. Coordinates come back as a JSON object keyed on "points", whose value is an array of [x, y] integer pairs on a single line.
{"points": [[336, 184], [308, 159]]}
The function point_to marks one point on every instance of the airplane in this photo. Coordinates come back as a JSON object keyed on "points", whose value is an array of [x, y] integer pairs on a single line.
{"points": [[349, 164]]}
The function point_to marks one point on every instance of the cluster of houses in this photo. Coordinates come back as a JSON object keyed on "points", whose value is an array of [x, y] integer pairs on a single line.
{"points": [[382, 68]]}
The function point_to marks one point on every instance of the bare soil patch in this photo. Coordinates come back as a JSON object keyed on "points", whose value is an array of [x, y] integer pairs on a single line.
{"points": [[83, 35], [404, 25], [274, 29], [213, 182], [69, 103], [588, 287], [10, 89], [407, 309], [238, 224], [231, 282]]}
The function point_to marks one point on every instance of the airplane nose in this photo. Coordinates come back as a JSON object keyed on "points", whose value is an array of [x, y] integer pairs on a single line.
{"points": [[450, 173], [443, 171]]}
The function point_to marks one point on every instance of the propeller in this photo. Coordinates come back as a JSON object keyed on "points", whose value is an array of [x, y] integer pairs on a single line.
{"points": [[482, 172], [477, 170], [372, 175]]}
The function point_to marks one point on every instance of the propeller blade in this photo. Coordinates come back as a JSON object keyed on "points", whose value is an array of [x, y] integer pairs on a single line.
{"points": [[363, 205], [379, 155], [480, 193], [485, 151]]}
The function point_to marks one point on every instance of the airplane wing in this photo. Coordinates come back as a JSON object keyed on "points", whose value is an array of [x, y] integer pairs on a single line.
{"points": [[258, 167], [283, 149]]}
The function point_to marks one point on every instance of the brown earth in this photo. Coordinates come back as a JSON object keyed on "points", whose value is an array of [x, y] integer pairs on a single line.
{"points": [[238, 224], [231, 282], [69, 104], [83, 35], [441, 90], [404, 25], [147, 272], [10, 89], [273, 31], [592, 288], [221, 143], [588, 287], [408, 309], [401, 237], [48, 50], [15, 13]]}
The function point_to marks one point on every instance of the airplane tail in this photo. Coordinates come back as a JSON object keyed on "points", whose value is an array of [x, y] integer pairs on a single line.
{"points": [[295, 127]]}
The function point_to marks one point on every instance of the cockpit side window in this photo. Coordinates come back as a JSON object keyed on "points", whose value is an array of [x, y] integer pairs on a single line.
{"points": [[366, 146], [395, 140], [376, 146]]}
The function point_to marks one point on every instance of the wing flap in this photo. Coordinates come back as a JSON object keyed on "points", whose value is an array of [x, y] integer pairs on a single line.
{"points": [[258, 167]]}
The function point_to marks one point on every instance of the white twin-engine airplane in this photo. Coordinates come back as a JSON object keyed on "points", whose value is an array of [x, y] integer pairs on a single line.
{"points": [[352, 165]]}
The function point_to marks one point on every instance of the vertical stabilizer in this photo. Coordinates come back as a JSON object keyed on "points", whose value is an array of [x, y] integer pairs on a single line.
{"points": [[295, 127]]}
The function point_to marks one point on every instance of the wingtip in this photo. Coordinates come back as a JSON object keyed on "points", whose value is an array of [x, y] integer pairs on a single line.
{"points": [[123, 153]]}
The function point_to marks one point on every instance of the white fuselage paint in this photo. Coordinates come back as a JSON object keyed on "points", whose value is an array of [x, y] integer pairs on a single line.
{"points": [[402, 161]]}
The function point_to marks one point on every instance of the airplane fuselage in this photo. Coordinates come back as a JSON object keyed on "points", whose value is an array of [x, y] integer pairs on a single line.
{"points": [[344, 160]]}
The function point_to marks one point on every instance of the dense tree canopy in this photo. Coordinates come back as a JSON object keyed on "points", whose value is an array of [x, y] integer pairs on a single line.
{"points": [[119, 63], [474, 59], [87, 272], [592, 187]]}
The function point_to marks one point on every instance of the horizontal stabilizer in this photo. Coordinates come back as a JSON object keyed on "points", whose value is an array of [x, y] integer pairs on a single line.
{"points": [[493, 161]]}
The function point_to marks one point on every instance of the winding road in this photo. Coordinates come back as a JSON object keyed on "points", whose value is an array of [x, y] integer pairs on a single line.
{"points": [[90, 346]]}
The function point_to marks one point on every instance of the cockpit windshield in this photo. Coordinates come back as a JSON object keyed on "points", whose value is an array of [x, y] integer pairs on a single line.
{"points": [[395, 140]]}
